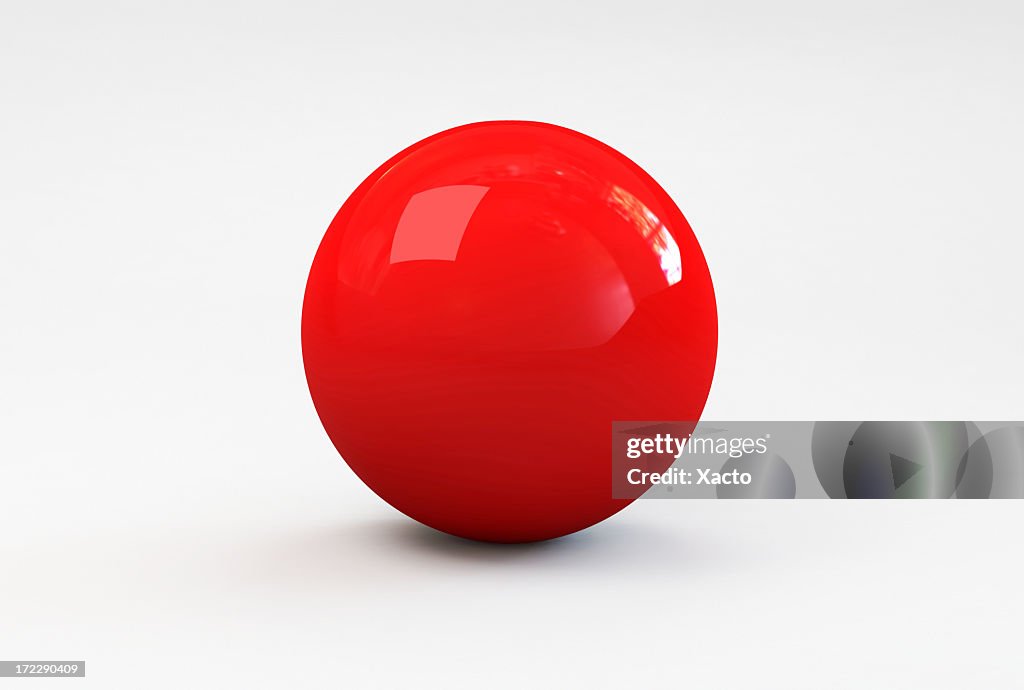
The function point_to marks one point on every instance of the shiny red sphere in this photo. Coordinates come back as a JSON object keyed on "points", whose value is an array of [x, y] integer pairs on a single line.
{"points": [[481, 310]]}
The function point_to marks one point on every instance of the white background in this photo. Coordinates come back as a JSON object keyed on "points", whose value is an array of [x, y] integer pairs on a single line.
{"points": [[170, 508]]}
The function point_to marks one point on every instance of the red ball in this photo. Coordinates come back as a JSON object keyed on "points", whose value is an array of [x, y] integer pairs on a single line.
{"points": [[481, 310]]}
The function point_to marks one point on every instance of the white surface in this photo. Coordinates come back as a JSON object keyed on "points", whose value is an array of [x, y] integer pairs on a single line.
{"points": [[170, 509]]}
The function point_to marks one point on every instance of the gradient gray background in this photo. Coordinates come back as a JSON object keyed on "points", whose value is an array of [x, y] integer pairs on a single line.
{"points": [[170, 507]]}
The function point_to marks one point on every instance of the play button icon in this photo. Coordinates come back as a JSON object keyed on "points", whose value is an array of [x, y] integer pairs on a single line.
{"points": [[904, 459], [902, 469]]}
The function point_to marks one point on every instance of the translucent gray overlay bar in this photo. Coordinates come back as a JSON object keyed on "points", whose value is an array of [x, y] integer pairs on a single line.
{"points": [[804, 459]]}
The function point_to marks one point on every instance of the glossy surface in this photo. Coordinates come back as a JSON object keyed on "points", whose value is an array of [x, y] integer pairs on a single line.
{"points": [[482, 308]]}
